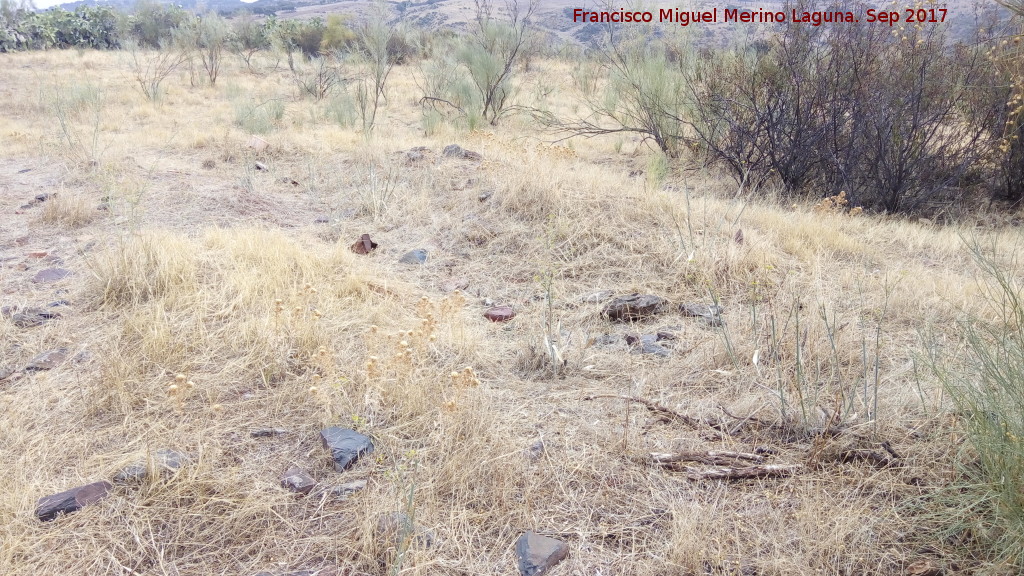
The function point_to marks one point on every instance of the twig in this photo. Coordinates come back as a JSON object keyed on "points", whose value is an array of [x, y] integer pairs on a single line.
{"points": [[713, 457], [728, 473], [662, 410]]}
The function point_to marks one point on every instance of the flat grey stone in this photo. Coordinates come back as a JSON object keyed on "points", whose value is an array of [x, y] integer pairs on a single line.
{"points": [[537, 554], [50, 507], [298, 480], [48, 360], [346, 446], [418, 256], [347, 489], [49, 275], [711, 314], [634, 307]]}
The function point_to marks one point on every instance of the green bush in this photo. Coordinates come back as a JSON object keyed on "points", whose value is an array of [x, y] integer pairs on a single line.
{"points": [[988, 391]]}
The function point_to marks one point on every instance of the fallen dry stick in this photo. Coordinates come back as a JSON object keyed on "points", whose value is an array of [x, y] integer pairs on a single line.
{"points": [[662, 410], [728, 473], [715, 457]]}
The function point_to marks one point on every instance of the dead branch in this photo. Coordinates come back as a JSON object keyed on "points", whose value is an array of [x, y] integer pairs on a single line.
{"points": [[711, 457], [730, 473], [690, 421], [434, 100]]}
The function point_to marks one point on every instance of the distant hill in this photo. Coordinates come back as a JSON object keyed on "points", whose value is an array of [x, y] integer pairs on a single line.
{"points": [[553, 16]]}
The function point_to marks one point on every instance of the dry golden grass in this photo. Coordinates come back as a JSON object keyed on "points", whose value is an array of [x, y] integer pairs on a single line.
{"points": [[206, 267]]}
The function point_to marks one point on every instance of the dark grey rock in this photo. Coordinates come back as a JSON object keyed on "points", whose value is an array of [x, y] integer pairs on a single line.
{"points": [[260, 166], [640, 339], [346, 446], [536, 450], [537, 554], [456, 151], [30, 317], [166, 463], [298, 480], [652, 348], [44, 196], [49, 507], [322, 219], [134, 474], [634, 307], [711, 314], [418, 256], [452, 151], [49, 275], [48, 360], [347, 489]]}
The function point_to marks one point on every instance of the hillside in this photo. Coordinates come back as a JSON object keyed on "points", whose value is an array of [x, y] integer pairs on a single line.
{"points": [[554, 17], [773, 413]]}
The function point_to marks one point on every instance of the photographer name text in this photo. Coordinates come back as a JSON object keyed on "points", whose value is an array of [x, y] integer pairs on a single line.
{"points": [[759, 16]]}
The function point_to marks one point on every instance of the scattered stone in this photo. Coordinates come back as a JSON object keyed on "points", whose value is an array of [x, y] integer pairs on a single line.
{"points": [[364, 245], [665, 336], [597, 297], [485, 196], [415, 155], [260, 166], [38, 254], [322, 219], [634, 307], [44, 196], [488, 302], [24, 170], [537, 554], [638, 339], [394, 527], [5, 372], [133, 474], [49, 507], [298, 480], [48, 275], [456, 151], [48, 360], [536, 450], [500, 314], [29, 317], [346, 446], [258, 144], [453, 284], [267, 432], [347, 489], [418, 256], [652, 348], [166, 463], [710, 314], [606, 340], [924, 568]]}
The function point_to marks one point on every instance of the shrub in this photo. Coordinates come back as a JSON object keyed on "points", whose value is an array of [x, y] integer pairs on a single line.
{"points": [[988, 390]]}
